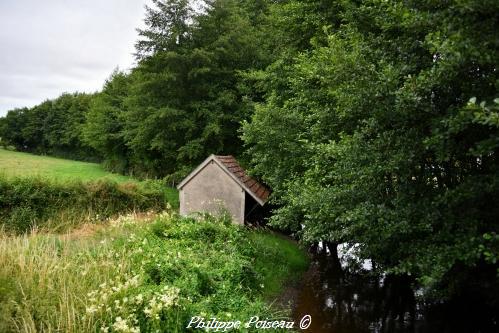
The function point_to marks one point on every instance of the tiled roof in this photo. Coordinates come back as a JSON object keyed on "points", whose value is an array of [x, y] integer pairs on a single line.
{"points": [[249, 182]]}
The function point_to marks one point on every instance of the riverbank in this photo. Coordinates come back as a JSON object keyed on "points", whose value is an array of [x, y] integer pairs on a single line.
{"points": [[147, 274]]}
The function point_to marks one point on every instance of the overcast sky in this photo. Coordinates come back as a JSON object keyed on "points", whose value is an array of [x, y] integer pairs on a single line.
{"points": [[48, 47]]}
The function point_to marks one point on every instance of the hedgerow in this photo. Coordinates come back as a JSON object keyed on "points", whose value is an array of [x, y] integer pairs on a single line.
{"points": [[28, 202]]}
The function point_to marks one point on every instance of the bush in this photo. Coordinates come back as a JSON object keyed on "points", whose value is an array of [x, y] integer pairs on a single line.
{"points": [[36, 202]]}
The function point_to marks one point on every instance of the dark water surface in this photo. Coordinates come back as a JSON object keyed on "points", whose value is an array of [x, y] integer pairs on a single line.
{"points": [[342, 302]]}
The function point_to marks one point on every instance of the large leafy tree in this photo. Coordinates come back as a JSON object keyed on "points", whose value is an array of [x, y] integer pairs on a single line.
{"points": [[104, 123], [184, 101], [372, 139], [167, 26]]}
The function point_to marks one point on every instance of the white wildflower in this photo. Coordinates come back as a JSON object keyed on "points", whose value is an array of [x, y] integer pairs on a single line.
{"points": [[160, 301], [91, 309]]}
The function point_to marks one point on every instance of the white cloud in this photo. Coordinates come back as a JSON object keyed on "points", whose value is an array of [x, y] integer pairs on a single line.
{"points": [[54, 46]]}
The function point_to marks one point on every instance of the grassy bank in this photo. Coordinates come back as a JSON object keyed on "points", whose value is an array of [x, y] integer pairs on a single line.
{"points": [[26, 202], [142, 275], [54, 193], [17, 164]]}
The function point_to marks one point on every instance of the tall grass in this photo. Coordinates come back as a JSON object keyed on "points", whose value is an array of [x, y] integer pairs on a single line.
{"points": [[151, 274], [44, 280], [30, 202]]}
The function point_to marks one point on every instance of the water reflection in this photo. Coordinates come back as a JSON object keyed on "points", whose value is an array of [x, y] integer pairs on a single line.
{"points": [[342, 301]]}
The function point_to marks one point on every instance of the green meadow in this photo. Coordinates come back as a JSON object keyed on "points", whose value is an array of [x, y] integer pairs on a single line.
{"points": [[18, 164]]}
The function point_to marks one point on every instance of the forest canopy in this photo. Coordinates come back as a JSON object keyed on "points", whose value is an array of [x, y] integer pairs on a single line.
{"points": [[375, 122]]}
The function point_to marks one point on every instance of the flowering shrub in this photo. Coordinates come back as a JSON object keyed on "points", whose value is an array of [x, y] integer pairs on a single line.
{"points": [[127, 311]]}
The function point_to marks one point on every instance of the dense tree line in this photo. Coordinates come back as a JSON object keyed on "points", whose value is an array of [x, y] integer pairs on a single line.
{"points": [[385, 134], [53, 127], [375, 122]]}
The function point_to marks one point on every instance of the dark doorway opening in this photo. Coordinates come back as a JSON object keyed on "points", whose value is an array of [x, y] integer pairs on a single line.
{"points": [[254, 213]]}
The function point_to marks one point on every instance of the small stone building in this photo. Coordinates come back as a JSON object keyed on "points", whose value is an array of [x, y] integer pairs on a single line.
{"points": [[220, 185]]}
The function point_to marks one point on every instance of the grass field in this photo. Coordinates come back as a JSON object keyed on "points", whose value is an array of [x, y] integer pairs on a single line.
{"points": [[23, 164]]}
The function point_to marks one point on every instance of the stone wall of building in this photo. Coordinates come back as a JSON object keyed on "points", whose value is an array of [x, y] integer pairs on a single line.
{"points": [[212, 190]]}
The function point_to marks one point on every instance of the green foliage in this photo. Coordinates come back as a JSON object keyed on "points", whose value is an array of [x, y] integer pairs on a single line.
{"points": [[183, 103], [52, 127], [11, 127], [104, 123], [26, 203], [369, 138], [226, 281], [153, 276]]}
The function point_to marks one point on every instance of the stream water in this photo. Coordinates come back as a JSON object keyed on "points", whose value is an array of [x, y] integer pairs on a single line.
{"points": [[340, 301]]}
